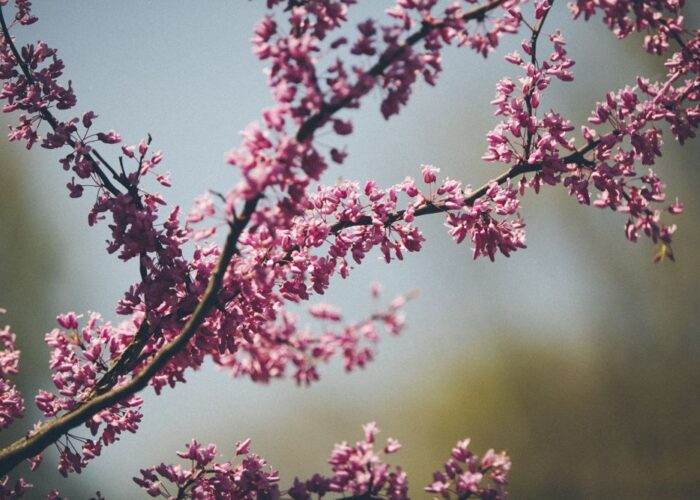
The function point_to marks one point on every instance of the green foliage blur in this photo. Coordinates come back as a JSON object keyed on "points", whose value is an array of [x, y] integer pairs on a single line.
{"points": [[27, 261], [28, 280]]}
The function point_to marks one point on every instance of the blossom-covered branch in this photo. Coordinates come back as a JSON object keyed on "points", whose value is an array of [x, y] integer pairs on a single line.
{"points": [[62, 98], [287, 234], [48, 433], [126, 360]]}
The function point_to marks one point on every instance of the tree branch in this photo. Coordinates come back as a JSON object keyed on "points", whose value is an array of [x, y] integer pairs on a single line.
{"points": [[35, 443], [131, 356], [430, 207], [48, 433], [46, 115]]}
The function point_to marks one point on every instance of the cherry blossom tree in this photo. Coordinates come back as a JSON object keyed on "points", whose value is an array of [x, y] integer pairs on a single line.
{"points": [[220, 281]]}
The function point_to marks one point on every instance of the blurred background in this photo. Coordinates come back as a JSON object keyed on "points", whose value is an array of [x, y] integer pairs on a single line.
{"points": [[578, 355]]}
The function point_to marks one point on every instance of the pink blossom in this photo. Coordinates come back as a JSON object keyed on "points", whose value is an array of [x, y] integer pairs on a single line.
{"points": [[429, 173], [464, 473], [206, 478], [11, 401]]}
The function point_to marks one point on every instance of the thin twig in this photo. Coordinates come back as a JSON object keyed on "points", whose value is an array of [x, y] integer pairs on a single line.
{"points": [[46, 114], [533, 59]]}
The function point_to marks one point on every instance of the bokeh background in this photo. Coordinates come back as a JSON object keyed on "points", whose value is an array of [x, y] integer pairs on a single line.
{"points": [[577, 355]]}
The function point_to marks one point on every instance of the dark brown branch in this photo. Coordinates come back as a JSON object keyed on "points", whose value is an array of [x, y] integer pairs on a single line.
{"points": [[126, 361]]}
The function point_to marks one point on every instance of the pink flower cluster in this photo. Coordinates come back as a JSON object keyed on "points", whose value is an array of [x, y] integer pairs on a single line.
{"points": [[607, 163], [357, 471], [659, 19], [632, 115], [266, 353], [523, 137], [464, 473], [347, 221], [79, 358], [34, 93], [488, 234], [250, 479], [13, 490], [11, 401]]}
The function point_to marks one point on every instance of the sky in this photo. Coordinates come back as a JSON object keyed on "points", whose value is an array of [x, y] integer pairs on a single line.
{"points": [[184, 73]]}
